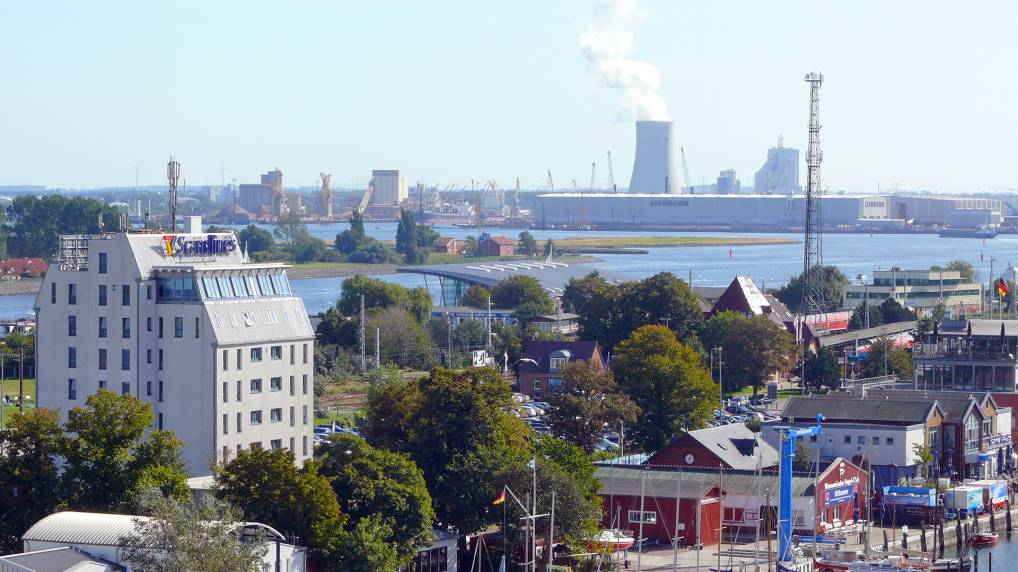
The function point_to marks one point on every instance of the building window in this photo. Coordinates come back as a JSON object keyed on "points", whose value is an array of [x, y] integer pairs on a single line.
{"points": [[304, 383], [304, 442], [226, 360], [148, 388], [889, 441], [72, 326], [304, 415], [875, 441], [226, 453], [537, 386], [125, 360], [125, 325], [72, 357], [160, 334], [293, 416], [72, 294], [256, 386], [291, 443], [103, 327], [125, 388], [555, 363], [276, 353], [276, 384], [148, 324], [240, 352], [148, 355], [646, 517], [160, 421], [197, 327], [240, 425], [102, 294], [239, 385], [72, 389], [256, 417], [102, 358], [276, 444], [971, 433], [812, 438], [226, 392], [226, 423], [305, 354], [160, 397], [178, 327], [102, 384], [102, 263], [276, 415], [125, 294], [52, 292], [148, 291], [256, 355], [861, 439], [291, 387], [160, 359], [293, 354], [848, 439]]}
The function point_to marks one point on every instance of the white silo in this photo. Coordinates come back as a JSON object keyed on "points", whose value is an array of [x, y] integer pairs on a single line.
{"points": [[654, 167]]}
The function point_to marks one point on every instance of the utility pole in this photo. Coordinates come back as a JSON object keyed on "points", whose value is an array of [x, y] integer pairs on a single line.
{"points": [[378, 357], [363, 340]]}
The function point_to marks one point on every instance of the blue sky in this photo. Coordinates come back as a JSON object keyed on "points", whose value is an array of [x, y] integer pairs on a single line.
{"points": [[921, 94]]}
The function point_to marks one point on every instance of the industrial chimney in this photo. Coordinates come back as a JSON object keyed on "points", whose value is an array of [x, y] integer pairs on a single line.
{"points": [[654, 168]]}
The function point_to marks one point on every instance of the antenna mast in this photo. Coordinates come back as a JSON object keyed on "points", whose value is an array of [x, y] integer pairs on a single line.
{"points": [[813, 302], [173, 174]]}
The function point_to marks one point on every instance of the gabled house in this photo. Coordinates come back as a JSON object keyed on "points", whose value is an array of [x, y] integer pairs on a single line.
{"points": [[542, 362], [732, 446], [448, 245], [496, 246]]}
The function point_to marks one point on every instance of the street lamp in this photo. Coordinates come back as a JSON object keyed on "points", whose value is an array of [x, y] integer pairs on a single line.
{"points": [[721, 388], [866, 298]]}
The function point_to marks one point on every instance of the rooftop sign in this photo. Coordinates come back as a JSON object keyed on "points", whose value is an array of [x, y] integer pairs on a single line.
{"points": [[177, 245]]}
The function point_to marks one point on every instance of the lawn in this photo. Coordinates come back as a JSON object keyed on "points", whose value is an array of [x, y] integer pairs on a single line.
{"points": [[782, 393], [10, 389]]}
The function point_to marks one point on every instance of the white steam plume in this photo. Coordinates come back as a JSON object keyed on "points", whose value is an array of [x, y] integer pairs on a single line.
{"points": [[607, 43]]}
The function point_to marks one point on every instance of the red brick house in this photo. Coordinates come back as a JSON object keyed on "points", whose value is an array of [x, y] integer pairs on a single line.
{"points": [[542, 360], [448, 245], [496, 246]]}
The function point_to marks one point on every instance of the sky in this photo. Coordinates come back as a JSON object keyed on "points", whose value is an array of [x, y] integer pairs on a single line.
{"points": [[918, 94]]}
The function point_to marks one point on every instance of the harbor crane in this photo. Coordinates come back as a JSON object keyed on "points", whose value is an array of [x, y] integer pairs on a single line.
{"points": [[551, 182], [611, 175], [789, 437], [593, 172]]}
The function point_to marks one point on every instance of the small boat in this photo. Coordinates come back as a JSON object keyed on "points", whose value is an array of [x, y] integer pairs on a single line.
{"points": [[611, 540], [951, 565], [900, 563], [980, 232], [984, 539]]}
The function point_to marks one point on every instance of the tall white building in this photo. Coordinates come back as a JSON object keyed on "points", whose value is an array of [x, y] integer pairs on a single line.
{"points": [[779, 175], [221, 348], [390, 187]]}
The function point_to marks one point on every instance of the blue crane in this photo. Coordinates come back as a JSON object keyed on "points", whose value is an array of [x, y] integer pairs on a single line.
{"points": [[788, 441]]}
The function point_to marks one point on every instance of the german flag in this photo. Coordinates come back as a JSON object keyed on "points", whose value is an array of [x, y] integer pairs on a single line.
{"points": [[500, 499], [1002, 288]]}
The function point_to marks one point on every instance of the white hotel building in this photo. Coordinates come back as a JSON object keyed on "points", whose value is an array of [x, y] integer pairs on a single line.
{"points": [[220, 347]]}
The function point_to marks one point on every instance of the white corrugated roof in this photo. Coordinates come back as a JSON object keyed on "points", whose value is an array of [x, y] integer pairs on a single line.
{"points": [[82, 528], [755, 298], [149, 252], [259, 320]]}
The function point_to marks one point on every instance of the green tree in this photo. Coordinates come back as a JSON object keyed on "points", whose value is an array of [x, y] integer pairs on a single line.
{"points": [[886, 358], [923, 457], [364, 549], [587, 400], [292, 231], [668, 382], [822, 370], [402, 339], [107, 455], [549, 247], [525, 295], [267, 487], [34, 224], [351, 239], [753, 349], [527, 246], [408, 238], [476, 296], [306, 248], [470, 246], [337, 329], [372, 251], [206, 535], [381, 294], [858, 319], [803, 459], [832, 283], [891, 312], [28, 473], [968, 273], [257, 241], [370, 481], [457, 427]]}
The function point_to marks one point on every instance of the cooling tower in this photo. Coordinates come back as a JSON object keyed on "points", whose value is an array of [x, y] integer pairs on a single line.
{"points": [[654, 167]]}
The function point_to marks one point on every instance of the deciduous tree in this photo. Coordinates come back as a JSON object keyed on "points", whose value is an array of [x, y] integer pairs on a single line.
{"points": [[753, 349], [666, 379], [822, 370], [586, 402], [476, 296], [886, 358], [527, 246], [832, 283], [525, 295], [28, 473]]}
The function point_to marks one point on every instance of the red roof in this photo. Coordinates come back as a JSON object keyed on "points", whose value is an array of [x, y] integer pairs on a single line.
{"points": [[443, 240], [18, 266], [501, 240]]}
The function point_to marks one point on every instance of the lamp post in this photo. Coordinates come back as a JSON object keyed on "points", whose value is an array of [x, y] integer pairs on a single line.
{"points": [[865, 299]]}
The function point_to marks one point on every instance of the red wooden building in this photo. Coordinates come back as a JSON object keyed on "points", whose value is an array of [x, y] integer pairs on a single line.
{"points": [[732, 446]]}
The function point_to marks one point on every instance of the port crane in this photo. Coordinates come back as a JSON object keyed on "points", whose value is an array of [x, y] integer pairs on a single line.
{"points": [[611, 175], [593, 172]]}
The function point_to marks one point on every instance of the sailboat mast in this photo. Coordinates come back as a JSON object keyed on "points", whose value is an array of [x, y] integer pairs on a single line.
{"points": [[675, 540]]}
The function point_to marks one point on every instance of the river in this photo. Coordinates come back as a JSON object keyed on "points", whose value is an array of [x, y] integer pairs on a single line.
{"points": [[768, 265]]}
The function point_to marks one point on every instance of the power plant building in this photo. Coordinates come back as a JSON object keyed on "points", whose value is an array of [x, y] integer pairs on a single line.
{"points": [[780, 173], [220, 348], [390, 188], [654, 167]]}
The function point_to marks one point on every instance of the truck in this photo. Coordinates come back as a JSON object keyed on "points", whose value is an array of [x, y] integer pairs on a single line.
{"points": [[994, 492], [964, 500]]}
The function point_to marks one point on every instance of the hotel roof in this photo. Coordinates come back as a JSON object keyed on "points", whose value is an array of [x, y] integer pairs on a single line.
{"points": [[553, 276]]}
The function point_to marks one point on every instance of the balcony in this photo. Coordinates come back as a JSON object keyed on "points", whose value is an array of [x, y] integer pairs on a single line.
{"points": [[964, 352]]}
